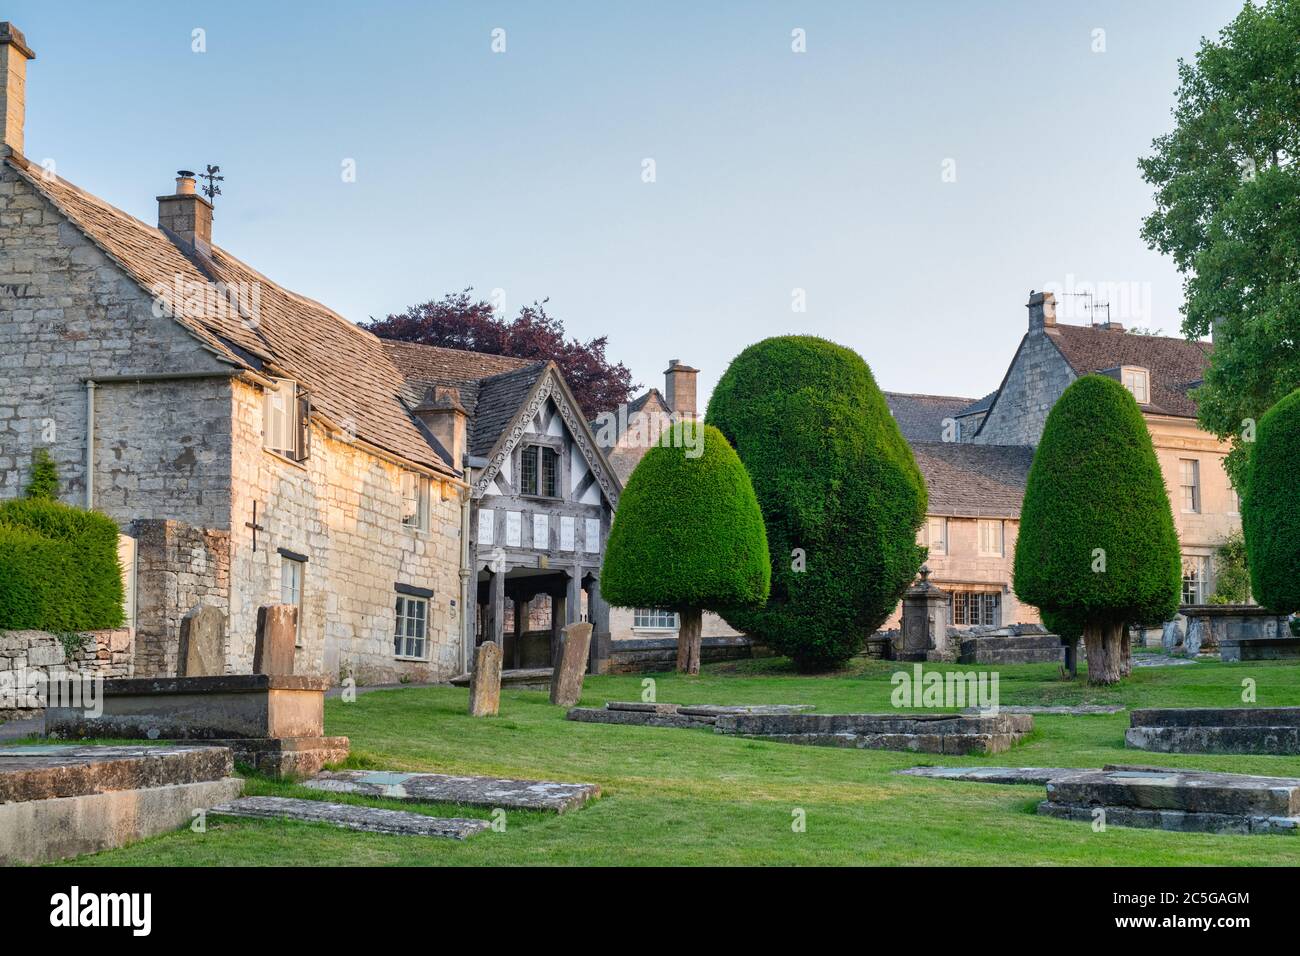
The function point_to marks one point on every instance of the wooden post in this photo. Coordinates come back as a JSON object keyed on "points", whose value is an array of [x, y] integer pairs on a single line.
{"points": [[497, 609], [520, 608], [558, 606], [598, 615]]}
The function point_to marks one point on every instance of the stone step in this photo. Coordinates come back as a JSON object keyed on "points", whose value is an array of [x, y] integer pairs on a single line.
{"points": [[471, 791], [1192, 791], [1216, 717], [351, 817], [1212, 740], [46, 771]]}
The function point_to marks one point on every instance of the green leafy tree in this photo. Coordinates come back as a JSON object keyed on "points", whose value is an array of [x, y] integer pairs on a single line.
{"points": [[1097, 549], [841, 495], [1270, 509], [1231, 571], [44, 482], [1227, 187], [688, 535]]}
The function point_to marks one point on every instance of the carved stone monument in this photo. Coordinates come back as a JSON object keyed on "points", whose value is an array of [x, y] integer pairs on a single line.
{"points": [[923, 634]]}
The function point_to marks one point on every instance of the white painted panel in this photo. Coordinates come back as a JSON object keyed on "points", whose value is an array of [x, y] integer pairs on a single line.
{"points": [[541, 531], [591, 541], [486, 525], [567, 526], [557, 423], [592, 495], [514, 528], [506, 465]]}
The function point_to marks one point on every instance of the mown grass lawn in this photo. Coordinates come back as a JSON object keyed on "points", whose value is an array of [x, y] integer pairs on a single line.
{"points": [[674, 797]]}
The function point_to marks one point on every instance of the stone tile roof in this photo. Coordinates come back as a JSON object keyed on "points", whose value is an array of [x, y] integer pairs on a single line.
{"points": [[492, 387], [966, 480], [345, 369], [979, 405], [1176, 365], [920, 417]]}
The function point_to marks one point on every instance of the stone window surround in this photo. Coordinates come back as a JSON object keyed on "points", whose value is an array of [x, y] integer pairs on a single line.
{"points": [[1189, 480], [408, 594], [289, 558], [1001, 551], [651, 612]]}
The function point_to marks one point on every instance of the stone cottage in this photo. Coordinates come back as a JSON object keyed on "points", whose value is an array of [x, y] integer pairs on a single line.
{"points": [[255, 447], [979, 451]]}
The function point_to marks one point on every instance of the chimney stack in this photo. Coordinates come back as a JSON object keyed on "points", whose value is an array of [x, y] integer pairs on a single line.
{"points": [[186, 216], [14, 54], [1042, 310], [445, 417], [679, 388]]}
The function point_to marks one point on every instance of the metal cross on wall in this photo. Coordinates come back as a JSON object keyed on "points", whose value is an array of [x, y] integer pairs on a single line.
{"points": [[255, 526]]}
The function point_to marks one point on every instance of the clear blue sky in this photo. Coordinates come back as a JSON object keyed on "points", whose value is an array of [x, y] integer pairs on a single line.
{"points": [[522, 170]]}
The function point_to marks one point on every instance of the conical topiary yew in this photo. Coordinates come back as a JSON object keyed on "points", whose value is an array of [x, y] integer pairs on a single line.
{"points": [[1270, 508], [1097, 549], [688, 535], [841, 494]]}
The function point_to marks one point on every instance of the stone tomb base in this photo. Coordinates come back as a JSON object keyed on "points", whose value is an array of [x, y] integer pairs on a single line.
{"points": [[788, 723], [60, 801], [1165, 798], [1232, 730], [349, 817], [921, 733], [273, 723]]}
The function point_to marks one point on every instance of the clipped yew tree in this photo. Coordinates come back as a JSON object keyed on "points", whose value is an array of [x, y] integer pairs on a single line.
{"points": [[1097, 548], [841, 495], [1270, 509], [687, 535]]}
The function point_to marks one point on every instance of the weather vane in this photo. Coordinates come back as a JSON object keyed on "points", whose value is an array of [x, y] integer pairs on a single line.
{"points": [[212, 190]]}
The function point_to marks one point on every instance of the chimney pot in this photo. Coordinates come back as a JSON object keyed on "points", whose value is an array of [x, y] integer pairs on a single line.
{"points": [[14, 54], [1042, 310]]}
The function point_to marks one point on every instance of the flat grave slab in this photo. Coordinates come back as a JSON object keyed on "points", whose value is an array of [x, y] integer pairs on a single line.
{"points": [[527, 678], [1234, 730], [349, 817], [1009, 775], [1055, 710], [684, 716], [1172, 799], [468, 790]]}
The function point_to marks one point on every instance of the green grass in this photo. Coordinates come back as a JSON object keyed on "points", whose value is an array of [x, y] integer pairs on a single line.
{"points": [[694, 797]]}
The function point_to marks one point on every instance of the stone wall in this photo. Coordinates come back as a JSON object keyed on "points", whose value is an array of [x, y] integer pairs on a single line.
{"points": [[340, 509], [101, 654], [68, 314], [1037, 377], [177, 568]]}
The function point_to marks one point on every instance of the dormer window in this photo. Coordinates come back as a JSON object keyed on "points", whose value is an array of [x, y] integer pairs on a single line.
{"points": [[1138, 381], [285, 415], [539, 471]]}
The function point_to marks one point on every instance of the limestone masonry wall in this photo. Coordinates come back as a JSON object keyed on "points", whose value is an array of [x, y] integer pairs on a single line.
{"points": [[102, 654], [1036, 379]]}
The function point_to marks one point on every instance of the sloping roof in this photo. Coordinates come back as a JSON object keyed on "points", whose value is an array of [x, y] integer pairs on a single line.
{"points": [[623, 422], [920, 417], [979, 405], [345, 369], [492, 387], [966, 480], [1176, 365]]}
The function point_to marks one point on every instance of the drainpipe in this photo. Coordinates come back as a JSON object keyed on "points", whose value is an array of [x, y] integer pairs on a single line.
{"points": [[90, 444], [466, 638]]}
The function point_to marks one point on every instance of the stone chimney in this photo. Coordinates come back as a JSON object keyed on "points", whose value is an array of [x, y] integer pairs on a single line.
{"points": [[186, 216], [1042, 310], [445, 417], [14, 54], [679, 388]]}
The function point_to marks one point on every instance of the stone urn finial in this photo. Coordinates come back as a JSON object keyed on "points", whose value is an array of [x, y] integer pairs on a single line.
{"points": [[925, 574]]}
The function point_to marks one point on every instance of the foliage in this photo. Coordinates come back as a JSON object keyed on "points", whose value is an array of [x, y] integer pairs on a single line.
{"points": [[44, 482], [458, 321], [1227, 186], [59, 569], [1231, 571], [1097, 545], [841, 495], [1270, 509], [688, 533]]}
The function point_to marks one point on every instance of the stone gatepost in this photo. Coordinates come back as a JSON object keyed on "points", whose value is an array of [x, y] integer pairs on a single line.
{"points": [[923, 633]]}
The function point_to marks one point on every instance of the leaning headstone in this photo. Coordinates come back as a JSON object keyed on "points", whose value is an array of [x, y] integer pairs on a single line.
{"points": [[566, 683], [1172, 635], [485, 681], [203, 643], [277, 630], [1195, 633]]}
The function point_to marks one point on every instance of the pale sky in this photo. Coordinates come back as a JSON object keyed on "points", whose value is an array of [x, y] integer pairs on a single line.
{"points": [[915, 172]]}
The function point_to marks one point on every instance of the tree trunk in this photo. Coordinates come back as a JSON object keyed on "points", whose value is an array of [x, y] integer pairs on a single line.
{"points": [[688, 641], [1103, 653], [1119, 648]]}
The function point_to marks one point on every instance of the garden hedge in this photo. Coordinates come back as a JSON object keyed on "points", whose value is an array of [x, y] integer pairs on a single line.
{"points": [[59, 569], [688, 532], [841, 495], [1270, 509], [1097, 542]]}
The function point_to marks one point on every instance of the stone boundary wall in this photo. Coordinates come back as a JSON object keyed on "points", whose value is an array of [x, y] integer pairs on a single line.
{"points": [[104, 654], [641, 655]]}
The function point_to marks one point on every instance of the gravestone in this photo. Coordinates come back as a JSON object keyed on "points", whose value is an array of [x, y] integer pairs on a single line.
{"points": [[1172, 635], [923, 630], [1194, 636], [566, 682], [485, 681], [203, 642], [277, 631]]}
